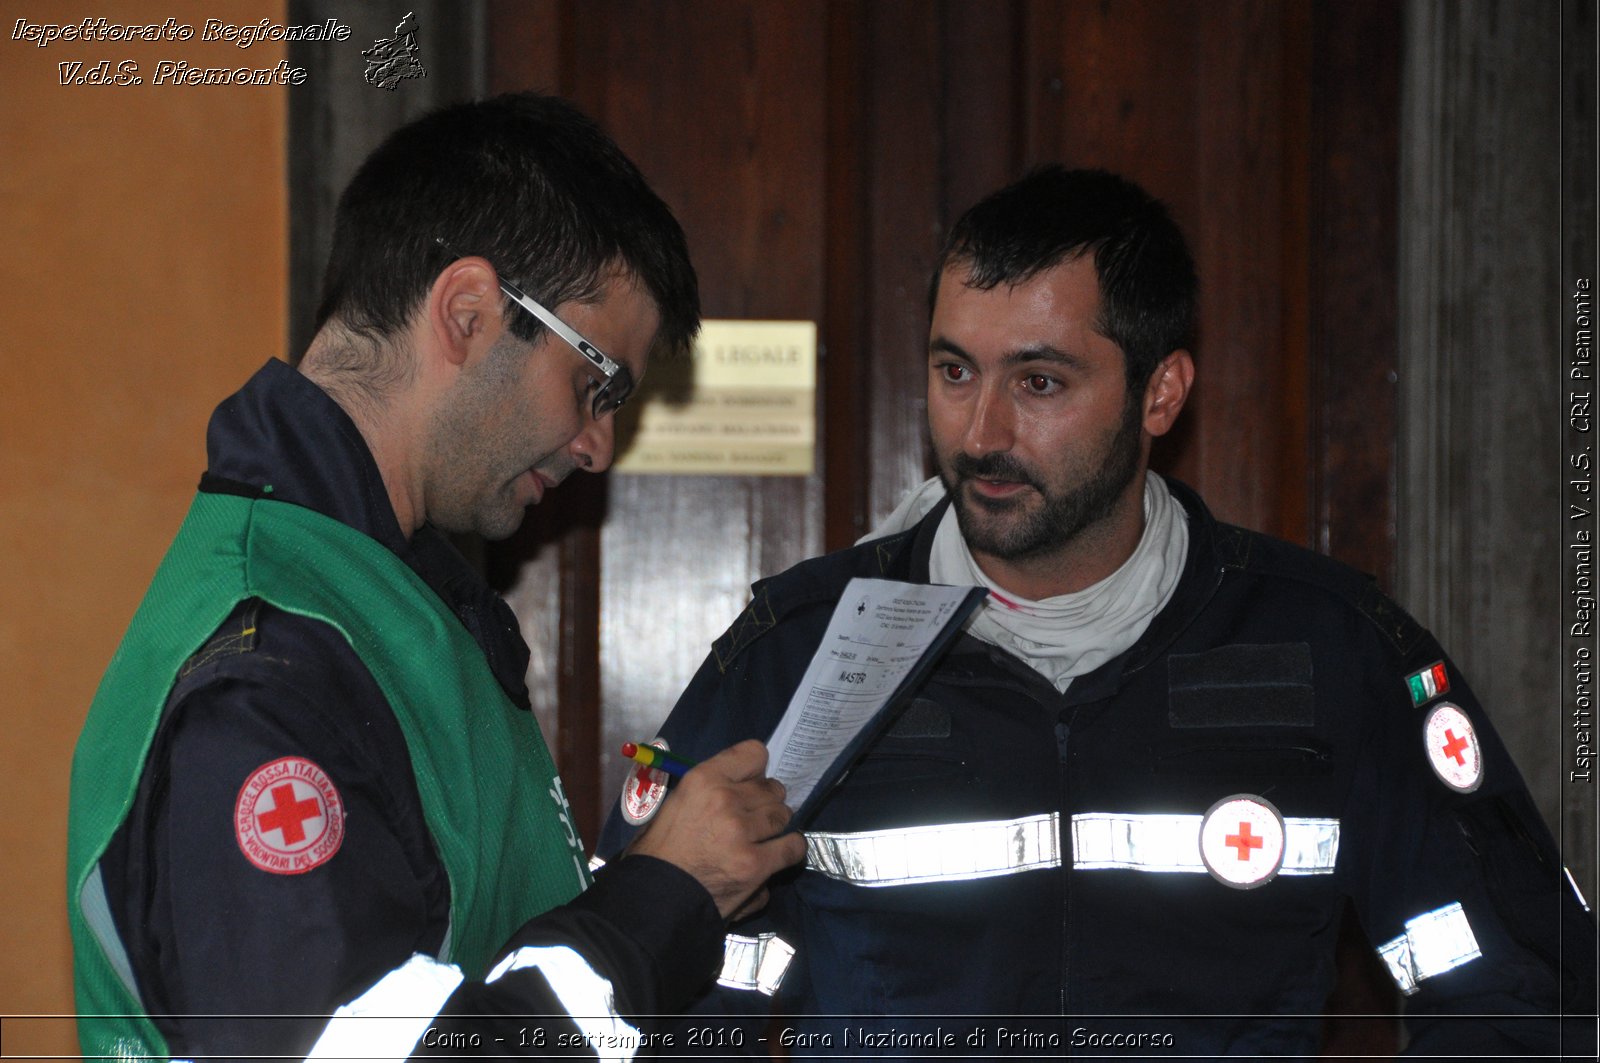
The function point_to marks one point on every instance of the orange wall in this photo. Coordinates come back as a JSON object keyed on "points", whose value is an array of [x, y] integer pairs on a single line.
{"points": [[143, 265]]}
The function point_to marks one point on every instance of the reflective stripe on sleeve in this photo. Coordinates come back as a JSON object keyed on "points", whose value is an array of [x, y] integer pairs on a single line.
{"points": [[756, 964], [1434, 942], [585, 994], [950, 852], [1151, 842], [387, 1020]]}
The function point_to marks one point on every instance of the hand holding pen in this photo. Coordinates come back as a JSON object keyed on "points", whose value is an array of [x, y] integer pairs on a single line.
{"points": [[660, 759], [721, 824]]}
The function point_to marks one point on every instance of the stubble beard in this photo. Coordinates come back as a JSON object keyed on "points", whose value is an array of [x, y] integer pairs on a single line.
{"points": [[1021, 528], [474, 456]]}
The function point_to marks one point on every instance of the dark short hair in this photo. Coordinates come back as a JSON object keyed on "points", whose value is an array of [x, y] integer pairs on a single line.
{"points": [[524, 180], [1147, 279]]}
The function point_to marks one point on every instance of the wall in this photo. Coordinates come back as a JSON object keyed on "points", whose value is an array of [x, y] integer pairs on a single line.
{"points": [[142, 278], [1484, 217]]}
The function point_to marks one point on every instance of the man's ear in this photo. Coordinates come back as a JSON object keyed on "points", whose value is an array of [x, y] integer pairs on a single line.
{"points": [[463, 312], [1167, 391]]}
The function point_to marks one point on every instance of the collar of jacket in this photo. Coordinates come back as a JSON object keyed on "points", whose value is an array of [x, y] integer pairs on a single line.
{"points": [[1214, 549], [281, 431]]}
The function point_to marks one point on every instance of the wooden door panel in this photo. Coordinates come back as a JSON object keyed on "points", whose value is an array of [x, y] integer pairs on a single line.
{"points": [[1199, 103], [722, 106], [817, 152]]}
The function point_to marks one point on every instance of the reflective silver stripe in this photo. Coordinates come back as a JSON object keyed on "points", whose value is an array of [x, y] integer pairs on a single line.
{"points": [[585, 994], [386, 1021], [1154, 842], [1104, 840], [951, 852], [1434, 942], [754, 963], [954, 852], [1576, 892]]}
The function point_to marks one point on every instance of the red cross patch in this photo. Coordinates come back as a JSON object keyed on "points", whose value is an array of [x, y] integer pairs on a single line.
{"points": [[1241, 841], [643, 789], [1453, 748], [289, 817]]}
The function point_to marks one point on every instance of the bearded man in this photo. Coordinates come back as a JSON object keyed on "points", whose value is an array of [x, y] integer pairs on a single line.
{"points": [[1129, 808]]}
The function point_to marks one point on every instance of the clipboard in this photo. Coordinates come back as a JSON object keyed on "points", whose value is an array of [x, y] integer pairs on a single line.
{"points": [[882, 640]]}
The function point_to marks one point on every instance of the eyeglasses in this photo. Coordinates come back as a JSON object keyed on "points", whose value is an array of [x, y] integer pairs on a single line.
{"points": [[617, 381]]}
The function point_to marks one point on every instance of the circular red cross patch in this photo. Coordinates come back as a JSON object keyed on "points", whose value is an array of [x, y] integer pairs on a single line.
{"points": [[1453, 748], [1242, 841], [643, 790], [289, 817]]}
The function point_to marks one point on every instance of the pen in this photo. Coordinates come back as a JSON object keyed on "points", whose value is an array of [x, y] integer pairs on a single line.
{"points": [[658, 758]]}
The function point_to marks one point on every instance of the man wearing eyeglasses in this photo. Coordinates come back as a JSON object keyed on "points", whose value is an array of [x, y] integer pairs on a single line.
{"points": [[311, 812]]}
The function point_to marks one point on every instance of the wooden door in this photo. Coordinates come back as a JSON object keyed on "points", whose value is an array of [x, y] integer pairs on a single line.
{"points": [[815, 153]]}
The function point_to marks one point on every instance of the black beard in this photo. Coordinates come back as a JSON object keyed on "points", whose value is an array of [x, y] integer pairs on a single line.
{"points": [[1062, 517]]}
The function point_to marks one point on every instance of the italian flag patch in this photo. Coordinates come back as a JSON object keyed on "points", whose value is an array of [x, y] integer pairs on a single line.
{"points": [[1428, 683]]}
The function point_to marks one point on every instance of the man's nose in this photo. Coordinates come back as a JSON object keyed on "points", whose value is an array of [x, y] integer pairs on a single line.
{"points": [[990, 426], [593, 448]]}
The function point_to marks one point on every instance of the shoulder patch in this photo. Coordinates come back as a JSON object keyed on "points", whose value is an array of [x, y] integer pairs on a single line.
{"points": [[1453, 750], [1428, 683], [755, 621], [289, 817]]}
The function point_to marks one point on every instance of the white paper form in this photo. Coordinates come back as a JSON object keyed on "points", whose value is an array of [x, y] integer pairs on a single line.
{"points": [[880, 633]]}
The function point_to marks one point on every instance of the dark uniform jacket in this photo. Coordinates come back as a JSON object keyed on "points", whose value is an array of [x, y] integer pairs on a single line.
{"points": [[214, 940], [1158, 860]]}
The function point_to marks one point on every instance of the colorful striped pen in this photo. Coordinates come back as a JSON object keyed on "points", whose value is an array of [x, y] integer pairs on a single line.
{"points": [[658, 758]]}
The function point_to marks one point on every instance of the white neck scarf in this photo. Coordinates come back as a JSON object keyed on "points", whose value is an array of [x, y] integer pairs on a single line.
{"points": [[1071, 634]]}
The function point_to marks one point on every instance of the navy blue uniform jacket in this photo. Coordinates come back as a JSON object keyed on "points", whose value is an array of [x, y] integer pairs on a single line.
{"points": [[1006, 850]]}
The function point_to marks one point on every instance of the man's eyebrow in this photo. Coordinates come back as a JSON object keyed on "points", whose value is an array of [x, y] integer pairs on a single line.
{"points": [[1042, 352], [1039, 352]]}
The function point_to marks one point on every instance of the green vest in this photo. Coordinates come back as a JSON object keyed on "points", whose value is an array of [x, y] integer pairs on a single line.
{"points": [[492, 800]]}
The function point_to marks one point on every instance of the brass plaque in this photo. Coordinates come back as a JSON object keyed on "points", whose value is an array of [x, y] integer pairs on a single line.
{"points": [[743, 405]]}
